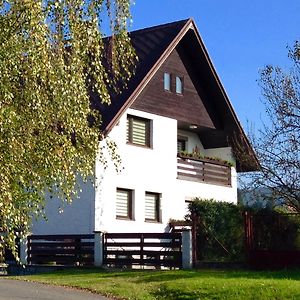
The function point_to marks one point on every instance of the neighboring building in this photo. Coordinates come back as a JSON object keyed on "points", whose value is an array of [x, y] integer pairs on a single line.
{"points": [[174, 103]]}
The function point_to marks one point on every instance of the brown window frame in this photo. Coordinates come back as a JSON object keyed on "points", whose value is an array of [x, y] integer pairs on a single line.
{"points": [[130, 215], [170, 82], [130, 119], [157, 218], [182, 139], [182, 84]]}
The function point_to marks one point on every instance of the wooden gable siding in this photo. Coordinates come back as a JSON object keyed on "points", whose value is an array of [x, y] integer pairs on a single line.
{"points": [[187, 107]]}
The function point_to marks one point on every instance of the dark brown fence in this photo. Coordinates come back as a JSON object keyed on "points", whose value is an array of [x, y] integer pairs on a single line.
{"points": [[272, 240], [204, 170], [145, 249], [274, 259], [75, 249]]}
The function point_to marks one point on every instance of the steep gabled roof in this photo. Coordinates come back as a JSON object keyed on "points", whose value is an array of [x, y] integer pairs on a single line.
{"points": [[153, 46], [150, 45]]}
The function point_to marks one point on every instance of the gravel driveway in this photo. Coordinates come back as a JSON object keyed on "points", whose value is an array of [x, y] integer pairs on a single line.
{"points": [[20, 290]]}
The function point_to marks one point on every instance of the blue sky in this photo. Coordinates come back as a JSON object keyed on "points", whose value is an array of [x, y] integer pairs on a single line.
{"points": [[240, 36]]}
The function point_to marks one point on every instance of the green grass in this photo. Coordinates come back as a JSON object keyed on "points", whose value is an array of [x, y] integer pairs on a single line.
{"points": [[177, 285]]}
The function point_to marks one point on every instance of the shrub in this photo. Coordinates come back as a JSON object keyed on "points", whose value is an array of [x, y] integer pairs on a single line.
{"points": [[275, 230], [220, 232]]}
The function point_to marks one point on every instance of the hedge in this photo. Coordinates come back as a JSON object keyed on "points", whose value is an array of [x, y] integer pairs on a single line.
{"points": [[221, 236]]}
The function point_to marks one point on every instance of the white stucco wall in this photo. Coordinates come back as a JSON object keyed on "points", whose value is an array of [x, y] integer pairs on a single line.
{"points": [[192, 141], [152, 170], [224, 153], [142, 170], [69, 218]]}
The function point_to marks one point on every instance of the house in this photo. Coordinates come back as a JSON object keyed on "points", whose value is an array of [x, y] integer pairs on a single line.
{"points": [[174, 104]]}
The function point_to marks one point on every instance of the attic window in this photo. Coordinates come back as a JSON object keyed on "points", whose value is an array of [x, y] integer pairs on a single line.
{"points": [[167, 82], [179, 85]]}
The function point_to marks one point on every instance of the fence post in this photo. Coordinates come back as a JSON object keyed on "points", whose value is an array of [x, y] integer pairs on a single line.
{"points": [[187, 249], [98, 248], [23, 249]]}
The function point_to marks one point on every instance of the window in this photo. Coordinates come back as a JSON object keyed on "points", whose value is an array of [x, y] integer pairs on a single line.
{"points": [[124, 204], [170, 85], [152, 207], [138, 131], [167, 82], [179, 85], [181, 143]]}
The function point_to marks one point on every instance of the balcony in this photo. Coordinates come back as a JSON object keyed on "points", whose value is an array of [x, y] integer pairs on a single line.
{"points": [[203, 170]]}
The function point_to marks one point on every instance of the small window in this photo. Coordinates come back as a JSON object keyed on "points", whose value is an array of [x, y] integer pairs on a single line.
{"points": [[152, 207], [179, 85], [167, 82], [138, 131], [181, 144], [124, 204]]}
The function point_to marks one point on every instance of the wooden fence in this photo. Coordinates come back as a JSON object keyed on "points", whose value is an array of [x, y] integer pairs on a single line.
{"points": [[272, 240], [145, 249], [75, 249], [204, 171]]}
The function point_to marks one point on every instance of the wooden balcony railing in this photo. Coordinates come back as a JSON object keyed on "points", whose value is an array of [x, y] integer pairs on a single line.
{"points": [[203, 170]]}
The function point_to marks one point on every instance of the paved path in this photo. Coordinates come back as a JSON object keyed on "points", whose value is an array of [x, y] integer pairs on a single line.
{"points": [[21, 290]]}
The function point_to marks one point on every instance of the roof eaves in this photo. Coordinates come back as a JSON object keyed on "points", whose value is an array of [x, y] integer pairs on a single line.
{"points": [[222, 89]]}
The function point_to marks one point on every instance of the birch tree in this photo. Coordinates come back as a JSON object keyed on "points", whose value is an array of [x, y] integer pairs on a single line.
{"points": [[52, 54]]}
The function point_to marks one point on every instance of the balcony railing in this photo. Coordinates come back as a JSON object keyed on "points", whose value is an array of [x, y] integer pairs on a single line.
{"points": [[203, 170]]}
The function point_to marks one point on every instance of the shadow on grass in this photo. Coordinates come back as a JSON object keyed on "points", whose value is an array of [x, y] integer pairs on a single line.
{"points": [[159, 276], [165, 293], [154, 275]]}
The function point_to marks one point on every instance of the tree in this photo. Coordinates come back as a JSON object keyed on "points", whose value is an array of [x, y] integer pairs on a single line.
{"points": [[278, 143], [52, 54]]}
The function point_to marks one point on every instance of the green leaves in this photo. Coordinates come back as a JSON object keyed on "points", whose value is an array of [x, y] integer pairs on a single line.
{"points": [[52, 54], [220, 230]]}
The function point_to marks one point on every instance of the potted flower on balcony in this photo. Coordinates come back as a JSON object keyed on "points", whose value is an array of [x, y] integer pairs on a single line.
{"points": [[195, 155]]}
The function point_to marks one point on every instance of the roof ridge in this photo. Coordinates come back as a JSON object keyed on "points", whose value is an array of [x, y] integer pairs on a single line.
{"points": [[155, 27]]}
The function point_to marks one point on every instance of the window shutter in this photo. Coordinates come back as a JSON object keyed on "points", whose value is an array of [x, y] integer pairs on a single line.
{"points": [[139, 130], [152, 206], [180, 146], [123, 203]]}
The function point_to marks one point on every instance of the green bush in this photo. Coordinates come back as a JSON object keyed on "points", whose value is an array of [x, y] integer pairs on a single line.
{"points": [[220, 233], [275, 230]]}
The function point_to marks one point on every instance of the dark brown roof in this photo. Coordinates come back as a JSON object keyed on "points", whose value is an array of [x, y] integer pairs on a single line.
{"points": [[149, 44], [152, 46]]}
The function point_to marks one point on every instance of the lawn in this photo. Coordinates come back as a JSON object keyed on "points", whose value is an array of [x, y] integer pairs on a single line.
{"points": [[198, 284]]}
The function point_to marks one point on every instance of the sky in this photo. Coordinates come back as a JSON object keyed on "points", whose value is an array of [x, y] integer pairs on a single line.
{"points": [[241, 38]]}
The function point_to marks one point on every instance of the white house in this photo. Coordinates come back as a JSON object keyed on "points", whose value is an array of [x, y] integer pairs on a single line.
{"points": [[175, 104]]}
